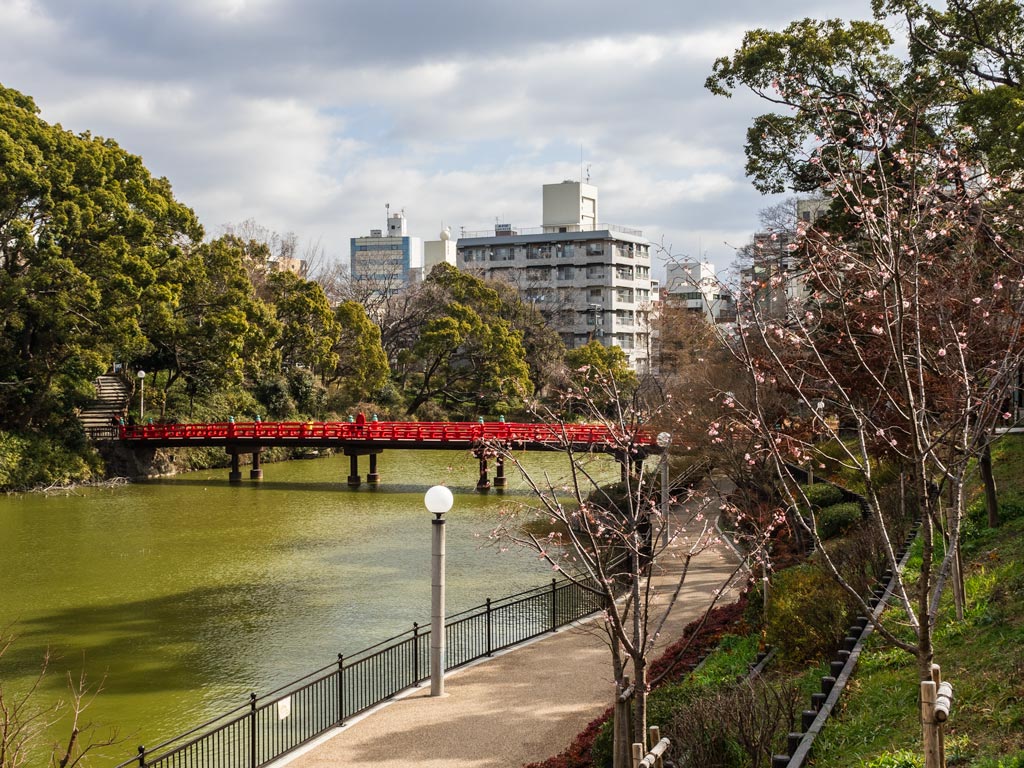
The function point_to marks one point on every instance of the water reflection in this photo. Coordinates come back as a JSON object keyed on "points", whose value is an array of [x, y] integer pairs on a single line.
{"points": [[188, 592]]}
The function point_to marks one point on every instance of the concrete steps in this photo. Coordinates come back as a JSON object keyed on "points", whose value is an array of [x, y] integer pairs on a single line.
{"points": [[99, 418]]}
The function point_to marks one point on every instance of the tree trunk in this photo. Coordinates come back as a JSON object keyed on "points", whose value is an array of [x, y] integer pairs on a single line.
{"points": [[991, 497], [622, 731]]}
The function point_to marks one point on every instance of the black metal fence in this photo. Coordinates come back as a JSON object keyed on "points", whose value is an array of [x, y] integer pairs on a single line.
{"points": [[269, 726]]}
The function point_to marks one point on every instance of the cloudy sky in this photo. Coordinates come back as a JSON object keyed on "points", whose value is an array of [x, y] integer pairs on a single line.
{"points": [[309, 115]]}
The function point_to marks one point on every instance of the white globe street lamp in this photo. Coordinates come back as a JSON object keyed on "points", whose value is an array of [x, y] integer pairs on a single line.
{"points": [[142, 394], [438, 500]]}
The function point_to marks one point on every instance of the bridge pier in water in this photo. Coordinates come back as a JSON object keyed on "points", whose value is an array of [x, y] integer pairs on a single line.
{"points": [[373, 477], [235, 475], [500, 481], [256, 473]]}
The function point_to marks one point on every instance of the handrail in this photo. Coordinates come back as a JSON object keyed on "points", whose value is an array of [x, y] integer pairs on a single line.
{"points": [[394, 432], [503, 616]]}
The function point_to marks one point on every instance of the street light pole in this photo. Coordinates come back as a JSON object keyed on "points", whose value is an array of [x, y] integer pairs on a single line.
{"points": [[438, 500], [142, 394]]}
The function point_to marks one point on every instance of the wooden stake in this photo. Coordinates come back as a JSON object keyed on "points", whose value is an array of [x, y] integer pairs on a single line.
{"points": [[932, 757]]}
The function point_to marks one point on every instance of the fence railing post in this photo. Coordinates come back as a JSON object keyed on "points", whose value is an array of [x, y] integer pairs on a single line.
{"points": [[252, 730], [488, 607], [142, 757], [554, 587], [416, 654], [341, 689]]}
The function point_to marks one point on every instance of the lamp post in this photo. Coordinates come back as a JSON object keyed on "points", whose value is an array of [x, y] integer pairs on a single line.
{"points": [[142, 394], [664, 440], [437, 500], [819, 412]]}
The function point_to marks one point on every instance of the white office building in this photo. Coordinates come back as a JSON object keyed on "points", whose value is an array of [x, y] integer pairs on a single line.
{"points": [[390, 260], [591, 280]]}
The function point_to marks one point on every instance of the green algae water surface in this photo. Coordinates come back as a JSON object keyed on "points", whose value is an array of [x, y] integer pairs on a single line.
{"points": [[185, 594]]}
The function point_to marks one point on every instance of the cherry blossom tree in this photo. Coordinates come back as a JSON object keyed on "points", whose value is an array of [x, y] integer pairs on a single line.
{"points": [[904, 345], [613, 538]]}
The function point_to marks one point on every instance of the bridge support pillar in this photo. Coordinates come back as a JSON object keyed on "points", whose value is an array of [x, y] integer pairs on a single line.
{"points": [[256, 473], [235, 475], [483, 484], [373, 477], [500, 481], [354, 481]]}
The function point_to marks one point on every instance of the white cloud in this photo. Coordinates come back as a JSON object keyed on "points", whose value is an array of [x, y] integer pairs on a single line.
{"points": [[310, 115]]}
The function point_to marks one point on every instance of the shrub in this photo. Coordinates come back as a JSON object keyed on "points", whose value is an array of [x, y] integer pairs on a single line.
{"points": [[735, 726], [822, 494], [900, 759], [807, 613], [860, 556], [837, 519], [1009, 761], [30, 460]]}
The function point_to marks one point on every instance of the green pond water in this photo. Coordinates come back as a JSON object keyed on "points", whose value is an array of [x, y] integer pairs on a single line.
{"points": [[187, 593]]}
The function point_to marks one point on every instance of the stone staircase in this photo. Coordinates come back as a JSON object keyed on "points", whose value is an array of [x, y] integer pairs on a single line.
{"points": [[99, 418]]}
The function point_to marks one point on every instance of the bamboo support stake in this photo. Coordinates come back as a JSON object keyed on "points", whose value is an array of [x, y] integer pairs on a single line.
{"points": [[932, 757], [638, 754], [655, 732]]}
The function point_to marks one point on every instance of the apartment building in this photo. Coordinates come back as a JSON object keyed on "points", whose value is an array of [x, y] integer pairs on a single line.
{"points": [[695, 286], [590, 280]]}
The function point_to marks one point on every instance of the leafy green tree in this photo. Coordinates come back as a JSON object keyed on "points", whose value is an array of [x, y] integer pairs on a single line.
{"points": [[466, 355], [362, 367], [544, 348], [84, 230], [974, 51], [309, 330], [206, 326], [598, 377]]}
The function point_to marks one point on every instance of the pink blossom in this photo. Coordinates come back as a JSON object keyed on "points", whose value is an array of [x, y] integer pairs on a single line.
{"points": [[942, 352]]}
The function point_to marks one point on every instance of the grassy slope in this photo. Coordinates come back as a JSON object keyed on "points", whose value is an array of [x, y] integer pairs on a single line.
{"points": [[983, 656]]}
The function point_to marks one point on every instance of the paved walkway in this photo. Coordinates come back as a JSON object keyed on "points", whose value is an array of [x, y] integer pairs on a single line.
{"points": [[524, 705]]}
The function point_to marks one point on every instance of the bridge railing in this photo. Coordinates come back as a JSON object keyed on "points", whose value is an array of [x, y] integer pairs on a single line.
{"points": [[393, 432], [266, 727]]}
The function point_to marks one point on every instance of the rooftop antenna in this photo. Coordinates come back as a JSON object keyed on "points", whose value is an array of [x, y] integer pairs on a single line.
{"points": [[581, 163]]}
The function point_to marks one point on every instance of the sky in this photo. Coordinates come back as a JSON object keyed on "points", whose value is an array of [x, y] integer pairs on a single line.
{"points": [[309, 116]]}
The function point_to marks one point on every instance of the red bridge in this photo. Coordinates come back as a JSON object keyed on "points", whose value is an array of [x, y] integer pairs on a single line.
{"points": [[370, 438]]}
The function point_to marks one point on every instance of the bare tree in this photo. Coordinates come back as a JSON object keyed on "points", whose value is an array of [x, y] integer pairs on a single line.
{"points": [[615, 541], [26, 725]]}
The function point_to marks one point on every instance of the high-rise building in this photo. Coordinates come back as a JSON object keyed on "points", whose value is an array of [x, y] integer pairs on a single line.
{"points": [[590, 280], [387, 261]]}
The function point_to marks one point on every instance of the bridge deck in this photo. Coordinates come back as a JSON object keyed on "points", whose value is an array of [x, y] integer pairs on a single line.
{"points": [[392, 434]]}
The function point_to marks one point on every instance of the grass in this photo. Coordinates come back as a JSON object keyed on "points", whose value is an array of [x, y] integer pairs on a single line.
{"points": [[982, 656]]}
